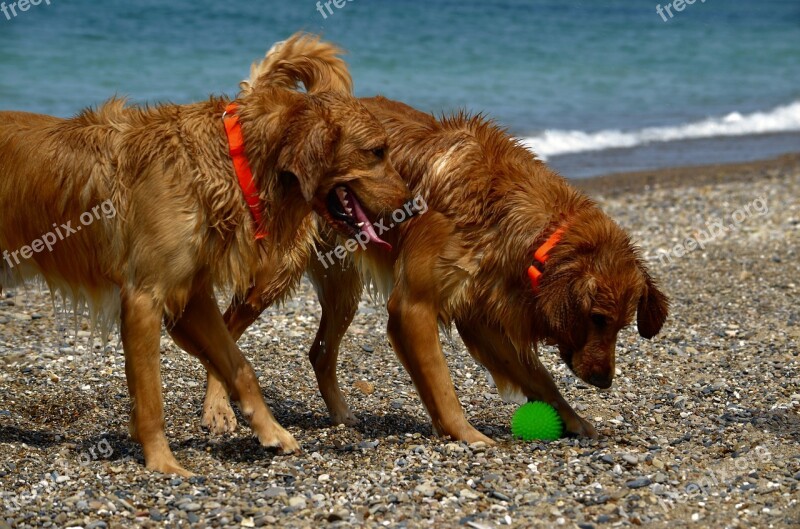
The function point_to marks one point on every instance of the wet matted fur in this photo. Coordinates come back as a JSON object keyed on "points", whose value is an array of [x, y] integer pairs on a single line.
{"points": [[491, 205], [182, 227]]}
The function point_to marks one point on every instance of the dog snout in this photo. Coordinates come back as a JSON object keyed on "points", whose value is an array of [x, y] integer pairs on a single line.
{"points": [[602, 380], [594, 371]]}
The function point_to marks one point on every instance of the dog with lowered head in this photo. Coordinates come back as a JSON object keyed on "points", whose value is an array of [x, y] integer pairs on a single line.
{"points": [[187, 221], [509, 252]]}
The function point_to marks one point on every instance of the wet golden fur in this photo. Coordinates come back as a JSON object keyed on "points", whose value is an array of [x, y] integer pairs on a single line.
{"points": [[182, 228], [464, 262]]}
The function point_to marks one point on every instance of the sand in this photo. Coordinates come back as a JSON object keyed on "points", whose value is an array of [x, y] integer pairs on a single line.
{"points": [[700, 429]]}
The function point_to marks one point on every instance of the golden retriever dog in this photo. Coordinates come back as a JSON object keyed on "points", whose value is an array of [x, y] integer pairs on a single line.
{"points": [[508, 251], [202, 195]]}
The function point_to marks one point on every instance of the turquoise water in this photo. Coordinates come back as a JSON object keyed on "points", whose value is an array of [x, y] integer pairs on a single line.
{"points": [[570, 77]]}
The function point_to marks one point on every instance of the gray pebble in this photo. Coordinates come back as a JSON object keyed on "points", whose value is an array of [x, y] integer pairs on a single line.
{"points": [[689, 401], [425, 489], [499, 495], [297, 502], [273, 492], [638, 483]]}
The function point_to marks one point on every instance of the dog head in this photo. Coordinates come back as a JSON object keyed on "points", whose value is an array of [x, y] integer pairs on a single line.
{"points": [[594, 285], [331, 148], [338, 154]]}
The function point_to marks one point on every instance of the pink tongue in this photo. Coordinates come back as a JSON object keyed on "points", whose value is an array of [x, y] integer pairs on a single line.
{"points": [[367, 227]]}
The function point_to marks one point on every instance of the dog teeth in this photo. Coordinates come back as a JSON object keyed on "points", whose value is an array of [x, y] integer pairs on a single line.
{"points": [[344, 198], [361, 224]]}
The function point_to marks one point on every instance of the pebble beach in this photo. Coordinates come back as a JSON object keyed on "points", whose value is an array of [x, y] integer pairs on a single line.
{"points": [[700, 429]]}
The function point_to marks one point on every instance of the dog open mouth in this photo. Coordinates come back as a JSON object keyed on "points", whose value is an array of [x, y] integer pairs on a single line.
{"points": [[345, 209]]}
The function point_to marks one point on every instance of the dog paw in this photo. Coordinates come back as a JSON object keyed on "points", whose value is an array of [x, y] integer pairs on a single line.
{"points": [[280, 439], [578, 426], [167, 465], [346, 417], [218, 417], [480, 438], [467, 433]]}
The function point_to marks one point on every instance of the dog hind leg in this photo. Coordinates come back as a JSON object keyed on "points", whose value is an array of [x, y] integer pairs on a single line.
{"points": [[339, 291], [218, 415]]}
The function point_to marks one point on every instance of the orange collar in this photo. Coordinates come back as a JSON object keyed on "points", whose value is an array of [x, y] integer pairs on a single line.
{"points": [[541, 256], [233, 129]]}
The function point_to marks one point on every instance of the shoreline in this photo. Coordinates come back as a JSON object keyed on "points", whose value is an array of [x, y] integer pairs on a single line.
{"points": [[616, 184]]}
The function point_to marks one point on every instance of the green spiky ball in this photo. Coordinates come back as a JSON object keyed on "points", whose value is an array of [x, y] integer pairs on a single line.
{"points": [[537, 421]]}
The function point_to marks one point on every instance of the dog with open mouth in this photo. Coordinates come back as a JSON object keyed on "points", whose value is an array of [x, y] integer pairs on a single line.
{"points": [[204, 194], [509, 252]]}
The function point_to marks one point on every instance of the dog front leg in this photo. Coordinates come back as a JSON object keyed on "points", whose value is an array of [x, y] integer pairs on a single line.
{"points": [[140, 331], [202, 331], [512, 369], [543, 387], [414, 334], [218, 414]]}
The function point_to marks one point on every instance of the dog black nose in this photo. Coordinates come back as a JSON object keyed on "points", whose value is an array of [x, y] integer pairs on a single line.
{"points": [[601, 380]]}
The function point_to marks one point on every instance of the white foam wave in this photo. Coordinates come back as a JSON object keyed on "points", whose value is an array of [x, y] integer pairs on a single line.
{"points": [[555, 142]]}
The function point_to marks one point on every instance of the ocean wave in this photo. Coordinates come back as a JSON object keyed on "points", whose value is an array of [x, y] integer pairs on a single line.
{"points": [[556, 142]]}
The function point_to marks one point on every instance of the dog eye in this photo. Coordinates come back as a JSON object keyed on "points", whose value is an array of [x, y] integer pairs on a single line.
{"points": [[599, 320], [379, 153]]}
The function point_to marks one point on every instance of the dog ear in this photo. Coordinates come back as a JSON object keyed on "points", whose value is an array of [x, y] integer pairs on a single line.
{"points": [[565, 303], [583, 292], [316, 155], [653, 308]]}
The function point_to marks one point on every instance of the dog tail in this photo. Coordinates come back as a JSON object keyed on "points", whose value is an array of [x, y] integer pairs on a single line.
{"points": [[302, 58]]}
